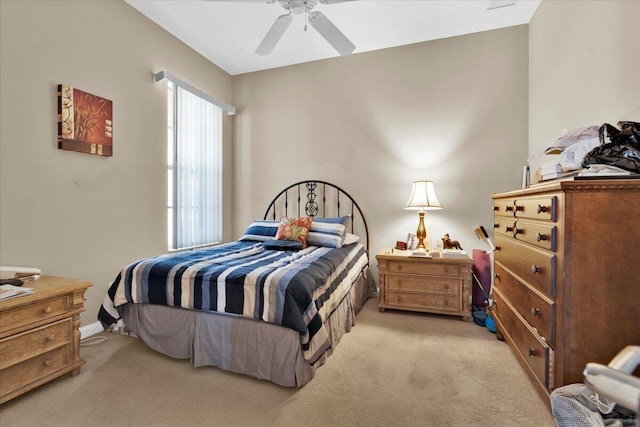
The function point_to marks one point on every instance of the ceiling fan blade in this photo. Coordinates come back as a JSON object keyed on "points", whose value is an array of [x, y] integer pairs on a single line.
{"points": [[331, 33], [274, 34]]}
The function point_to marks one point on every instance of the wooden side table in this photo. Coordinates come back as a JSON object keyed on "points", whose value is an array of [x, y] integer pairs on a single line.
{"points": [[39, 334], [430, 285]]}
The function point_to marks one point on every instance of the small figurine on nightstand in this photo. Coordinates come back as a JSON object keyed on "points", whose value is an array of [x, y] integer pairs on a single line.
{"points": [[447, 243]]}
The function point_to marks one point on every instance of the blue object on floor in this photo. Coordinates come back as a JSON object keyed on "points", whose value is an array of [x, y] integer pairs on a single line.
{"points": [[490, 324]]}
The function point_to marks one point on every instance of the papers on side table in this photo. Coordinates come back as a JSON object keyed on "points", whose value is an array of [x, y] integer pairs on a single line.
{"points": [[10, 291]]}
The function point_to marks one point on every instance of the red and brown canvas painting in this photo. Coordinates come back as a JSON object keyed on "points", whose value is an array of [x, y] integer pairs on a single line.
{"points": [[85, 122]]}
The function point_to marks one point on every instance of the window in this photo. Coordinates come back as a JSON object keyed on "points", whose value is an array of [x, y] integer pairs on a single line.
{"points": [[194, 170]]}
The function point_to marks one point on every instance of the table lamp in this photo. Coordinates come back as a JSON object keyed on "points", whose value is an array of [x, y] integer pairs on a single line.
{"points": [[423, 197]]}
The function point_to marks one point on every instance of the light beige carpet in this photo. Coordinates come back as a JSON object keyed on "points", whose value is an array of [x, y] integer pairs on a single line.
{"points": [[392, 369]]}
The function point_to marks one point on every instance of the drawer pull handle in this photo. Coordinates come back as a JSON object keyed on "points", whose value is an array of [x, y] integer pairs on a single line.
{"points": [[47, 362], [518, 231], [446, 286], [535, 269], [47, 310], [399, 267], [535, 311], [495, 208], [519, 208], [509, 208], [542, 208], [50, 337], [496, 225], [497, 248], [446, 269], [541, 236], [446, 302], [497, 276], [508, 229], [532, 352]]}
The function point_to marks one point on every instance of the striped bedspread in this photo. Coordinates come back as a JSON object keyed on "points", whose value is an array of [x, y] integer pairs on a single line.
{"points": [[298, 290]]}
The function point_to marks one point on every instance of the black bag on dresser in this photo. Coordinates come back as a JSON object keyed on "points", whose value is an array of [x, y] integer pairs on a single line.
{"points": [[623, 150]]}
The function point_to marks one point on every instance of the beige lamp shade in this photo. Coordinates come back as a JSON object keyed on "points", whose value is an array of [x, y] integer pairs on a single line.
{"points": [[423, 196]]}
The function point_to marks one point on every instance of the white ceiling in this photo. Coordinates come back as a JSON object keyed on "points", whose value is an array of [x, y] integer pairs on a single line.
{"points": [[228, 32]]}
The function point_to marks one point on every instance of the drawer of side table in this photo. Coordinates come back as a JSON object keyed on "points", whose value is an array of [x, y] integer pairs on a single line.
{"points": [[408, 282], [423, 302], [23, 346], [33, 370]]}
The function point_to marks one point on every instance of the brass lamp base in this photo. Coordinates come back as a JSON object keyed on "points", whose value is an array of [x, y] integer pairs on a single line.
{"points": [[421, 234]]}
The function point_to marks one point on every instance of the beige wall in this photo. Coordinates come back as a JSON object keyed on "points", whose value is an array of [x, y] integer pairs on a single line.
{"points": [[72, 214], [584, 67], [453, 111]]}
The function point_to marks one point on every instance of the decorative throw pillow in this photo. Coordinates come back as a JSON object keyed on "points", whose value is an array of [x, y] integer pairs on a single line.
{"points": [[261, 230], [328, 232], [294, 229], [282, 245]]}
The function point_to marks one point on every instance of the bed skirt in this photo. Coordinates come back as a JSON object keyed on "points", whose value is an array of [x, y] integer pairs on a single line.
{"points": [[238, 344]]}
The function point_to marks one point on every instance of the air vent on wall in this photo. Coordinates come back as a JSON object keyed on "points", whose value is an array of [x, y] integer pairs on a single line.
{"points": [[497, 4]]}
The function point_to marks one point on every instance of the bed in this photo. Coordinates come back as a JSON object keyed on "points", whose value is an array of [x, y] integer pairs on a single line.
{"points": [[255, 306]]}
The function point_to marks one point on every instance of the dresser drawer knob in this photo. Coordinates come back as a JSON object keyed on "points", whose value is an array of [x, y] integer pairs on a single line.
{"points": [[535, 311], [495, 208], [47, 310], [446, 286], [399, 267], [518, 231], [509, 208], [446, 302], [47, 362], [532, 352], [542, 208], [496, 225], [541, 236], [519, 208], [50, 337], [497, 276], [508, 229], [535, 269], [446, 269]]}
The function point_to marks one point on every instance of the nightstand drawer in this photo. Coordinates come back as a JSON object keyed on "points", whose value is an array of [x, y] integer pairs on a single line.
{"points": [[33, 313], [537, 311], [34, 369], [444, 286], [536, 267], [533, 351], [423, 301], [424, 267], [27, 344]]}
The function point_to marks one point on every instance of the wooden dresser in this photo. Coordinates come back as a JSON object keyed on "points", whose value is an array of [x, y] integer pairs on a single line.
{"points": [[39, 335], [567, 275], [431, 285]]}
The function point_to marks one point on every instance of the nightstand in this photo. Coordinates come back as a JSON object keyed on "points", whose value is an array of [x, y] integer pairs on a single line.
{"points": [[39, 334], [430, 285]]}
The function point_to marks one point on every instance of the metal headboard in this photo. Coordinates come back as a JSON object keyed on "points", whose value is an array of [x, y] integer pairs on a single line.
{"points": [[319, 198]]}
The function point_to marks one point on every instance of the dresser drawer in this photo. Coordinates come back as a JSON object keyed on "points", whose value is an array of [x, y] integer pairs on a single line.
{"points": [[422, 301], [407, 282], [542, 208], [533, 351], [31, 314], [534, 266], [431, 268], [23, 346], [538, 234], [534, 309], [504, 226], [504, 207], [33, 370]]}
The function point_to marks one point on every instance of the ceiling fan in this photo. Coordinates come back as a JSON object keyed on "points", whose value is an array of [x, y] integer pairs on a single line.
{"points": [[318, 20]]}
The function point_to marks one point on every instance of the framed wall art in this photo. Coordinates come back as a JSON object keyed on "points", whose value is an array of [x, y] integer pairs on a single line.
{"points": [[85, 122]]}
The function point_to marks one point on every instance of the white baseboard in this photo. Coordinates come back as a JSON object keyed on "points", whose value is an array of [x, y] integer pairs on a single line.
{"points": [[92, 329]]}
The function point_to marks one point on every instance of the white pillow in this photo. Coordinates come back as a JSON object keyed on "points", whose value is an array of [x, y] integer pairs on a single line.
{"points": [[350, 238]]}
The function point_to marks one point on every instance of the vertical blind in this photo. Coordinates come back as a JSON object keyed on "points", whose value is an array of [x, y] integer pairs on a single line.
{"points": [[197, 196]]}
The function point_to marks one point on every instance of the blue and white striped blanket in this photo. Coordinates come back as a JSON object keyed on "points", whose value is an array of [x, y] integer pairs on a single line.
{"points": [[298, 290]]}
